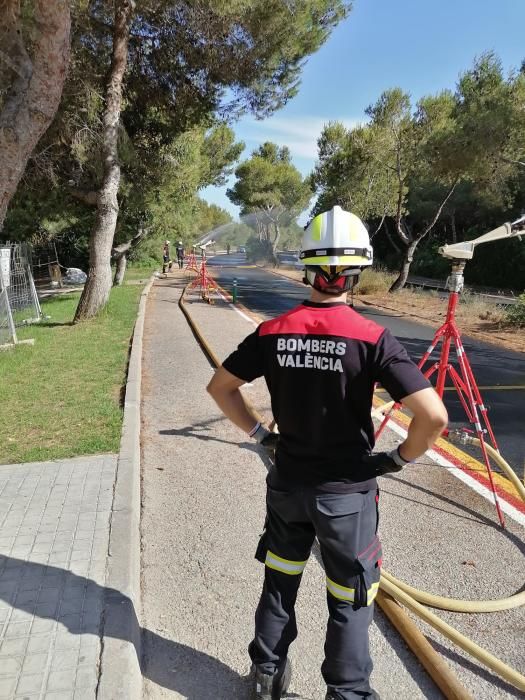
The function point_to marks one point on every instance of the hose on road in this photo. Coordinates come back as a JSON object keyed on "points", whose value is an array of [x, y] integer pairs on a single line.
{"points": [[415, 599]]}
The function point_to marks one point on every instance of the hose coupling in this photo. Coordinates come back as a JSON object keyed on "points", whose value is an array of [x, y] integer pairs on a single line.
{"points": [[460, 436]]}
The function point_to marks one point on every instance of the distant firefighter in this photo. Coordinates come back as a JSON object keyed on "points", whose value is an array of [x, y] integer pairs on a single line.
{"points": [[180, 254], [167, 262]]}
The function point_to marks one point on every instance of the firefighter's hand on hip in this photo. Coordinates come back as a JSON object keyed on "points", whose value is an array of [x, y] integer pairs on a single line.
{"points": [[382, 463], [266, 438]]}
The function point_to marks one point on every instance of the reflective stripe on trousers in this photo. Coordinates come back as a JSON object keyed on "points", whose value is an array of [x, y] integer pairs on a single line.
{"points": [[345, 526]]}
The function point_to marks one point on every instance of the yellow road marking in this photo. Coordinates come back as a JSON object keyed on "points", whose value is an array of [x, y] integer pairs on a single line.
{"points": [[469, 461]]}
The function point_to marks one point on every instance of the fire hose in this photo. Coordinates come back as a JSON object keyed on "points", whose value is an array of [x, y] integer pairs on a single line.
{"points": [[414, 599]]}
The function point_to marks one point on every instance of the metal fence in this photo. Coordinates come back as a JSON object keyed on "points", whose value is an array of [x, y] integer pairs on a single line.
{"points": [[19, 303], [7, 327]]}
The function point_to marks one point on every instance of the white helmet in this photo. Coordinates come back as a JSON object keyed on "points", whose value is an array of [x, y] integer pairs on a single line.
{"points": [[180, 242], [334, 250], [166, 242], [336, 237]]}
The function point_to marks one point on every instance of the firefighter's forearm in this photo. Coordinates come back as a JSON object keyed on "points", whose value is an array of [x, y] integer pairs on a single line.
{"points": [[422, 434], [234, 407]]}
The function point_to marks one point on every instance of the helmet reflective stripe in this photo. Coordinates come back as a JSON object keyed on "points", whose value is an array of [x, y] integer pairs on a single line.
{"points": [[336, 237], [317, 227]]}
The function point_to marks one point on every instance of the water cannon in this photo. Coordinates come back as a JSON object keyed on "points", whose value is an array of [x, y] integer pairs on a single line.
{"points": [[465, 250], [203, 246]]}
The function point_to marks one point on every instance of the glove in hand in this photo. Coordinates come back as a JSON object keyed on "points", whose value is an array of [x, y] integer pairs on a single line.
{"points": [[270, 442], [266, 438], [381, 463]]}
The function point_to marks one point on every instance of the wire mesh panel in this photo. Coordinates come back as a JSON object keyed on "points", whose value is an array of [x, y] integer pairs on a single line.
{"points": [[18, 283], [45, 263], [7, 327]]}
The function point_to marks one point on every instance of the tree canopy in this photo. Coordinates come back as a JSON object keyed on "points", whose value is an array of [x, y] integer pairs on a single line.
{"points": [[270, 191], [188, 70], [417, 170]]}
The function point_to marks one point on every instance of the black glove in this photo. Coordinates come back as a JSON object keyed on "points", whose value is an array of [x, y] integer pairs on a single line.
{"points": [[385, 462], [265, 438], [270, 441]]}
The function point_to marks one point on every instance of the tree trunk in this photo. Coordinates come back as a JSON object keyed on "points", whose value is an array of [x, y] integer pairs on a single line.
{"points": [[275, 243], [405, 266], [34, 95], [121, 252], [120, 270], [405, 233], [98, 285]]}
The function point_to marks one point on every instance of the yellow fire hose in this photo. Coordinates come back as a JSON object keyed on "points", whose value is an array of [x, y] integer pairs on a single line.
{"points": [[413, 598]]}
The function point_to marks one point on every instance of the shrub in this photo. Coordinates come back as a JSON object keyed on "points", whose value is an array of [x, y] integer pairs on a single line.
{"points": [[515, 314], [375, 281], [257, 250]]}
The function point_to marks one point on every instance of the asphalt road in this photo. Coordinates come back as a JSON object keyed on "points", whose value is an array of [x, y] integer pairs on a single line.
{"points": [[268, 294]]}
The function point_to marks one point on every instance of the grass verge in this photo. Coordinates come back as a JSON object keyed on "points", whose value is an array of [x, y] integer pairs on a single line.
{"points": [[62, 396], [140, 272]]}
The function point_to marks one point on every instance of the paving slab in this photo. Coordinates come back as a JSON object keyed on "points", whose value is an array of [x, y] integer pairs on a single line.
{"points": [[54, 530]]}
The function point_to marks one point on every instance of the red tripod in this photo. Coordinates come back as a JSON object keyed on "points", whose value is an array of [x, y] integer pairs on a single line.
{"points": [[204, 280], [191, 263], [464, 381]]}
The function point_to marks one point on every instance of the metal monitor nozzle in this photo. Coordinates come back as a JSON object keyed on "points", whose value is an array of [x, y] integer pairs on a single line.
{"points": [[204, 245], [465, 250]]}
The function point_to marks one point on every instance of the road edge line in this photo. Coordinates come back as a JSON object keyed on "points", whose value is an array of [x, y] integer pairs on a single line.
{"points": [[120, 659]]}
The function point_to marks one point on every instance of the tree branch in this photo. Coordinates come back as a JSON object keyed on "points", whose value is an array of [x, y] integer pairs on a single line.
{"points": [[439, 210], [379, 227], [513, 162], [123, 248], [399, 206], [390, 238]]}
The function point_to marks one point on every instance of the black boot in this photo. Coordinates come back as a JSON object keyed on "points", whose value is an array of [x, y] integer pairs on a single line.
{"points": [[334, 695], [271, 687]]}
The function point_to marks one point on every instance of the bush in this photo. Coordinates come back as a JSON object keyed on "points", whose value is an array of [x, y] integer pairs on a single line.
{"points": [[258, 251], [375, 281], [515, 315]]}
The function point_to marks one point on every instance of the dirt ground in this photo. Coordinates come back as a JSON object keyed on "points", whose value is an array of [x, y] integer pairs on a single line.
{"points": [[430, 309]]}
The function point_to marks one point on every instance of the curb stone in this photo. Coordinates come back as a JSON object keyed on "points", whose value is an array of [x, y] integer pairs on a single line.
{"points": [[120, 671]]}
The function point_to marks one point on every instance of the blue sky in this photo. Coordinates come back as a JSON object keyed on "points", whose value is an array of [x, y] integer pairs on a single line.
{"points": [[419, 45]]}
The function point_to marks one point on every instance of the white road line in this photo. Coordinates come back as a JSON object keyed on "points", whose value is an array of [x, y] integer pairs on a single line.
{"points": [[506, 507], [238, 310]]}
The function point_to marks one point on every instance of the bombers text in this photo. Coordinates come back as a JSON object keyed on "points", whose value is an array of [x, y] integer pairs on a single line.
{"points": [[318, 353]]}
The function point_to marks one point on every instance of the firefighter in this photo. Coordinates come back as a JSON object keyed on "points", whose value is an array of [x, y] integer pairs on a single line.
{"points": [[166, 258], [180, 254], [321, 361]]}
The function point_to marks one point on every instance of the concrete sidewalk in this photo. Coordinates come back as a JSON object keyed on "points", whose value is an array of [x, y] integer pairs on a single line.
{"points": [[203, 509], [54, 531]]}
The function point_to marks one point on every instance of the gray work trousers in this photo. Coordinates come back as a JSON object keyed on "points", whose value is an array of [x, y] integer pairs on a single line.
{"points": [[345, 525]]}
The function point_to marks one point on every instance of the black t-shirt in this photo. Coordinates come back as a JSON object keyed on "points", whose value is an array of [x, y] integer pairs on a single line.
{"points": [[320, 362]]}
